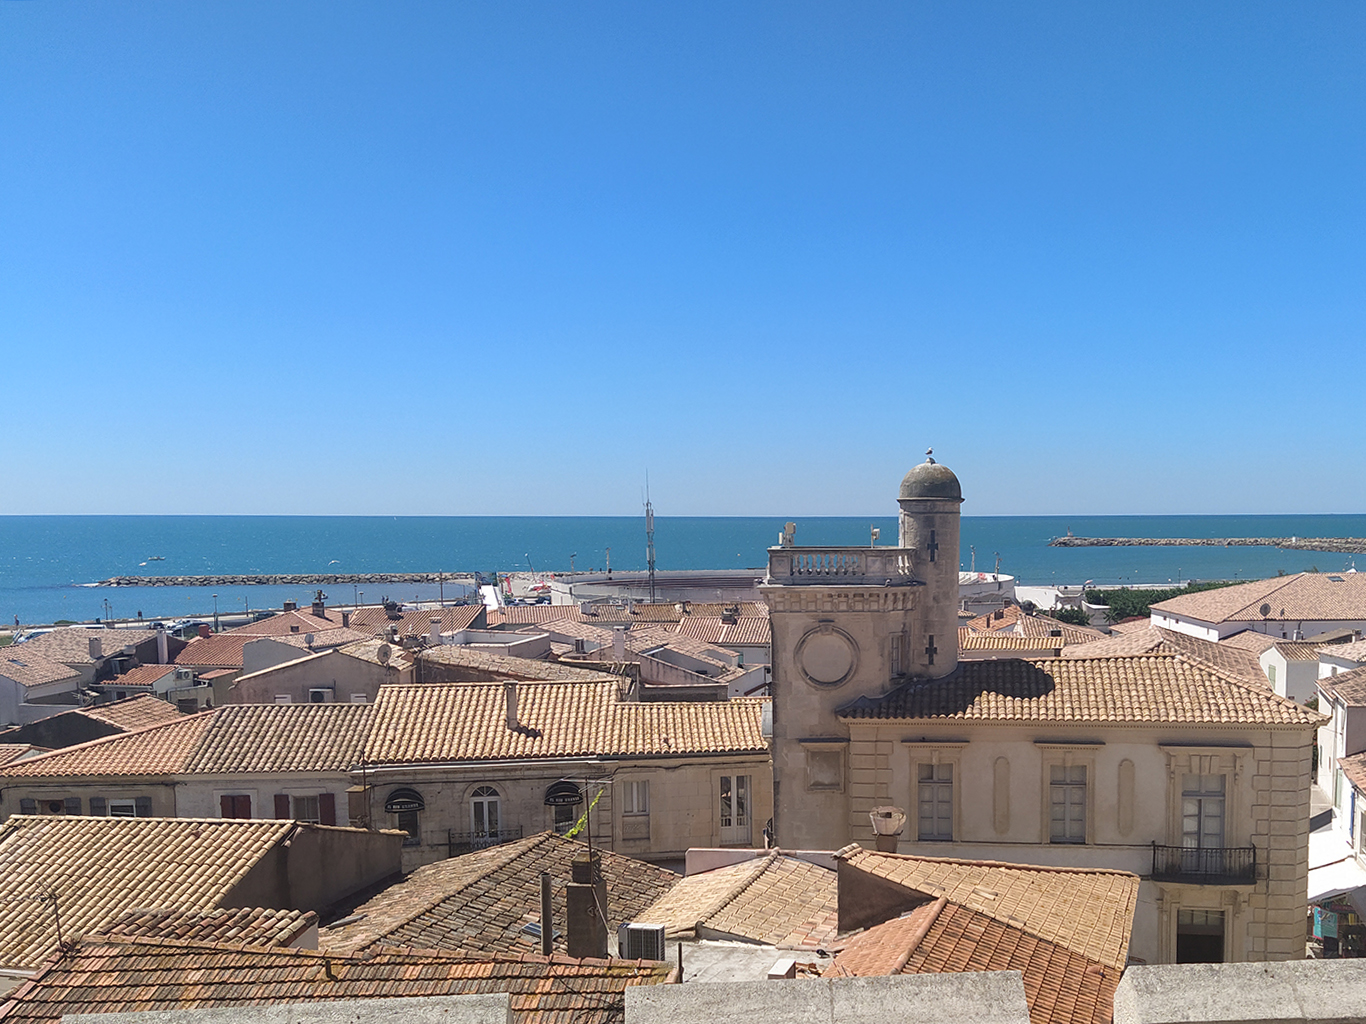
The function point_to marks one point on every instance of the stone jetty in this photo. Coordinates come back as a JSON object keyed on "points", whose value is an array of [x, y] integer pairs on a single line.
{"points": [[288, 580], [1351, 545]]}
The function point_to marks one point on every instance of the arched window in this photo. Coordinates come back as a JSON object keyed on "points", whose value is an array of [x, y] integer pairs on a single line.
{"points": [[484, 817]]}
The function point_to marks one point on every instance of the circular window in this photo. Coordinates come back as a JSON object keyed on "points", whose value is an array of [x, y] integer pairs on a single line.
{"points": [[827, 656]]}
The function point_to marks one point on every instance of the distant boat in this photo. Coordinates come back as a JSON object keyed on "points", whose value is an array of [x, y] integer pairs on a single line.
{"points": [[156, 558]]}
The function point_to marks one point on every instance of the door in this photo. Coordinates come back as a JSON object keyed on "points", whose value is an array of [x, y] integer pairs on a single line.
{"points": [[1202, 824], [735, 810], [484, 819]]}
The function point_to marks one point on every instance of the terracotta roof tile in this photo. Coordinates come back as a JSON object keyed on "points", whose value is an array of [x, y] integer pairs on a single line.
{"points": [[1347, 652], [32, 668], [506, 666], [1249, 640], [13, 751], [124, 976], [1148, 688], [247, 926], [136, 712], [1304, 596], [233, 738], [140, 675], [221, 650], [1354, 767], [156, 750], [1088, 911], [1233, 660], [480, 901], [745, 631], [773, 899], [71, 645], [468, 722], [417, 621], [610, 614], [185, 863], [1298, 650], [282, 738], [284, 623], [1348, 687]]}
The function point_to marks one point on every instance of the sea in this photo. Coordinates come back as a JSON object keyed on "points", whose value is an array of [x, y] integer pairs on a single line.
{"points": [[49, 563]]}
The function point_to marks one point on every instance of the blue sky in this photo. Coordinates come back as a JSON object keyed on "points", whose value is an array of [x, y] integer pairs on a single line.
{"points": [[505, 258]]}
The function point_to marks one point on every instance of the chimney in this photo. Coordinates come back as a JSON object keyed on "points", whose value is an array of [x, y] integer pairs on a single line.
{"points": [[436, 630], [586, 896], [205, 630], [163, 656], [96, 648], [618, 643], [510, 694], [346, 620], [290, 606]]}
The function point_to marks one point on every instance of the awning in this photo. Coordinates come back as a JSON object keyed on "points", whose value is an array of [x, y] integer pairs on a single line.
{"points": [[1333, 868], [404, 800], [563, 794]]}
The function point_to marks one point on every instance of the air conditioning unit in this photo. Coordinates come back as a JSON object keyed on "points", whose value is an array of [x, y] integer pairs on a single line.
{"points": [[320, 695], [184, 675], [640, 941]]}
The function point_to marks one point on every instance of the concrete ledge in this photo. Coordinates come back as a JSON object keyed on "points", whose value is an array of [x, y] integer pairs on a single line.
{"points": [[1271, 993], [995, 997], [495, 1008]]}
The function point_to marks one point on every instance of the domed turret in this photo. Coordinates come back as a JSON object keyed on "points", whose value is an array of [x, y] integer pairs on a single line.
{"points": [[931, 480]]}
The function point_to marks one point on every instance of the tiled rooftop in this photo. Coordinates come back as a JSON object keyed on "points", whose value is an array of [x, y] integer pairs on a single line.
{"points": [[1232, 660], [1348, 652], [13, 751], [126, 976], [480, 901], [746, 631], [969, 641], [1061, 986], [155, 750], [247, 926], [1249, 640], [102, 867], [413, 621], [611, 614], [1305, 596], [505, 666], [773, 900], [221, 650], [368, 650], [140, 675], [1354, 767], [468, 722], [234, 738], [1089, 912], [1151, 688], [32, 668], [71, 645], [136, 712], [1348, 687], [284, 623]]}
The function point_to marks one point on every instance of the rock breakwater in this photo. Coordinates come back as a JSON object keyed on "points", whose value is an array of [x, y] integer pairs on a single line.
{"points": [[1350, 545], [289, 579]]}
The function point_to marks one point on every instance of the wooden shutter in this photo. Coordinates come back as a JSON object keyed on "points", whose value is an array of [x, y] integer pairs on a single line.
{"points": [[98, 808], [281, 805], [73, 805], [225, 807], [327, 809], [27, 805], [142, 806]]}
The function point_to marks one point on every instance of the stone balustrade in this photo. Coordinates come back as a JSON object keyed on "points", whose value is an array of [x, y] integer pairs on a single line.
{"points": [[835, 565]]}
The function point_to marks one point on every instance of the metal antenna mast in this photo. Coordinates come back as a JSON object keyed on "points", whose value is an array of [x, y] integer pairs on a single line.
{"points": [[650, 537]]}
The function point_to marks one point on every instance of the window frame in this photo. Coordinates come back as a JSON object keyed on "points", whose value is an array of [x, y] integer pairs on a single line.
{"points": [[1067, 755], [937, 752], [129, 804], [630, 798]]}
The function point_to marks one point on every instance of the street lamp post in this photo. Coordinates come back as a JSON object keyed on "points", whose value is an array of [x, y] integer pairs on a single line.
{"points": [[215, 613]]}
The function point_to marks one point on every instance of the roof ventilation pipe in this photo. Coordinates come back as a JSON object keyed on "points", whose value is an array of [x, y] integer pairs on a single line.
{"points": [[510, 695], [436, 630]]}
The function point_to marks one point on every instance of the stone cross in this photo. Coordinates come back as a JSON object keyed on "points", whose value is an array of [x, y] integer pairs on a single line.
{"points": [[931, 650], [933, 546]]}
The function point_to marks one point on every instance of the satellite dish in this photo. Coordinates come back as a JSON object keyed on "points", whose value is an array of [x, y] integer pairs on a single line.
{"points": [[308, 639], [1265, 610], [383, 653]]}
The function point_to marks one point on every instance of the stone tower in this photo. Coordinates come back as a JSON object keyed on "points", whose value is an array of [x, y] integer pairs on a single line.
{"points": [[849, 622]]}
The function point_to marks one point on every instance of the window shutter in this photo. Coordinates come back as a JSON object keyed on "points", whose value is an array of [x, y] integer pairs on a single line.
{"points": [[73, 805], [142, 806], [327, 809], [225, 806], [281, 805], [98, 808], [28, 806]]}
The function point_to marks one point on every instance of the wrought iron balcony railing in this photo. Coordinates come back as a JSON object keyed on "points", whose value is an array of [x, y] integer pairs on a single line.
{"points": [[1210, 865], [467, 842]]}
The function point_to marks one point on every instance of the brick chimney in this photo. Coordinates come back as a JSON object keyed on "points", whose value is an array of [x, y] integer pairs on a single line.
{"points": [[510, 696]]}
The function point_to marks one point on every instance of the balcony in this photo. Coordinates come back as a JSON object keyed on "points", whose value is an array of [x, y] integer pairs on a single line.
{"points": [[837, 565], [467, 842], [1215, 865]]}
